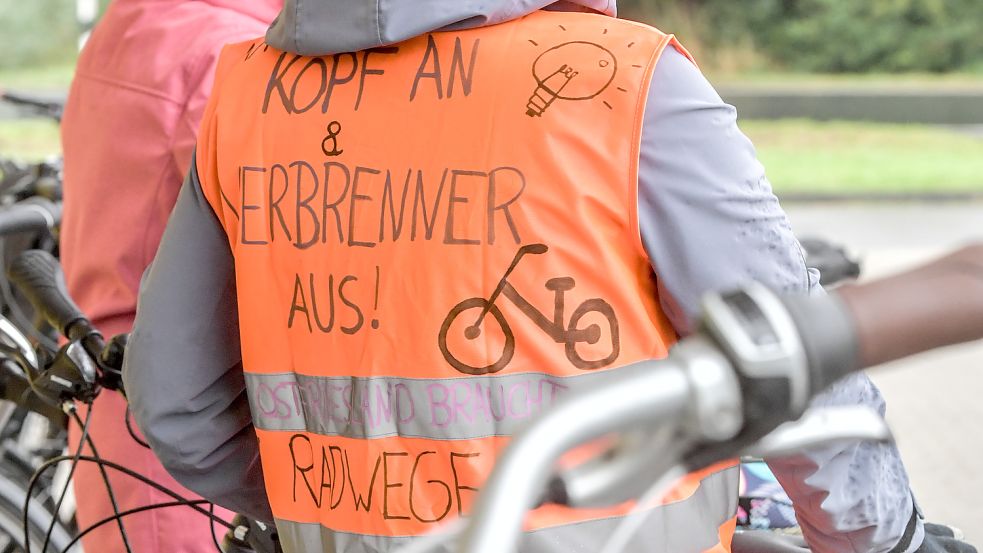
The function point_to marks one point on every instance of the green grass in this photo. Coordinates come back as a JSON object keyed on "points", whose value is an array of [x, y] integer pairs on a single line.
{"points": [[49, 77], [862, 158], [800, 156], [28, 139]]}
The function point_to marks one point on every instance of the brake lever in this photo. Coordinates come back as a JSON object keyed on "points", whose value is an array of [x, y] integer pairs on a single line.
{"points": [[822, 427], [111, 363], [70, 375]]}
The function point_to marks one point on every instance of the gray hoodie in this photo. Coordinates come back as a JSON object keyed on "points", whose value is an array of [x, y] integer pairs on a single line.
{"points": [[708, 220]]}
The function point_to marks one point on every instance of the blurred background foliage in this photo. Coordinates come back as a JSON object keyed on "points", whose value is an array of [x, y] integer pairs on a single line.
{"points": [[39, 32], [811, 47], [830, 36]]}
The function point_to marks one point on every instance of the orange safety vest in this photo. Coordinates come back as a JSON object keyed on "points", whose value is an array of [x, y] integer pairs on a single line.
{"points": [[433, 242]]}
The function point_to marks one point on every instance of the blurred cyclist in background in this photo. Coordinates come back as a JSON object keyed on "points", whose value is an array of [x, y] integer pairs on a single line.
{"points": [[128, 134]]}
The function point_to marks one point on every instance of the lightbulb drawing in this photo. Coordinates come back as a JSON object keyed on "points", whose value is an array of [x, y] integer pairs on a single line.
{"points": [[571, 71]]}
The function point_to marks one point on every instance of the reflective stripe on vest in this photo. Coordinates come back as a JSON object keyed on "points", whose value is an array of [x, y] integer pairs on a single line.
{"points": [[437, 409], [688, 526], [433, 241]]}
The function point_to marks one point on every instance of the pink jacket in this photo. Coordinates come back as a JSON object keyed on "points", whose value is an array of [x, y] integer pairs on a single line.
{"points": [[128, 134]]}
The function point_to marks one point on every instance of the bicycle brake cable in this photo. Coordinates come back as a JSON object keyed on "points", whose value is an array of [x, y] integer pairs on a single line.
{"points": [[47, 465], [133, 511], [105, 478], [211, 526], [61, 498]]}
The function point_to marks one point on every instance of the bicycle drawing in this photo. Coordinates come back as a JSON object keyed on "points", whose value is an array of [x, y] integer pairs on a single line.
{"points": [[569, 334]]}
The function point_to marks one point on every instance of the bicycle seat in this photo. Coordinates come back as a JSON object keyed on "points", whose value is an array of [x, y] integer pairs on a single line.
{"points": [[560, 284]]}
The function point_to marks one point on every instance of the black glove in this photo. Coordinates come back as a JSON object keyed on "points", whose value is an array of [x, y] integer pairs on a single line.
{"points": [[942, 539]]}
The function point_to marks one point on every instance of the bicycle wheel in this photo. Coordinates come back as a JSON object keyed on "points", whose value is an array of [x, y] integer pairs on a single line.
{"points": [[13, 491], [472, 332], [599, 311]]}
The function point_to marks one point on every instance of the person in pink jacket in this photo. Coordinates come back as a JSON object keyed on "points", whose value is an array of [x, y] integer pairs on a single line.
{"points": [[128, 133]]}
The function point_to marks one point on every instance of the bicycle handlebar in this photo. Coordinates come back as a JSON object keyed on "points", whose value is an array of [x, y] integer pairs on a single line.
{"points": [[30, 215], [634, 396], [39, 276], [756, 362]]}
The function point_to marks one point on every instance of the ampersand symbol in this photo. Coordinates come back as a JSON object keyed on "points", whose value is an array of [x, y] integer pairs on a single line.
{"points": [[334, 129]]}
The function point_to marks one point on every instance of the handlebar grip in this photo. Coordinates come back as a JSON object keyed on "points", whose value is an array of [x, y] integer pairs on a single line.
{"points": [[935, 305], [828, 336], [39, 276], [32, 214]]}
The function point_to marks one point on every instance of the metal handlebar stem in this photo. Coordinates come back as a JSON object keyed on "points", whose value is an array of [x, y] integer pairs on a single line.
{"points": [[641, 395], [636, 517]]}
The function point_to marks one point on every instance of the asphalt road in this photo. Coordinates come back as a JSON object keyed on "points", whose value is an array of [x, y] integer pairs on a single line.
{"points": [[934, 400]]}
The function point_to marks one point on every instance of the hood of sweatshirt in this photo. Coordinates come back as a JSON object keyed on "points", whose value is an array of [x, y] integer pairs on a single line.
{"points": [[324, 27]]}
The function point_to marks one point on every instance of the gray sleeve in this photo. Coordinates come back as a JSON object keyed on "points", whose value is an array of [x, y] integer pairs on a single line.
{"points": [[183, 373], [709, 220]]}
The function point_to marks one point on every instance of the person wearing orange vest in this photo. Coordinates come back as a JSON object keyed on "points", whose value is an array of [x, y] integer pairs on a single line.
{"points": [[407, 231]]}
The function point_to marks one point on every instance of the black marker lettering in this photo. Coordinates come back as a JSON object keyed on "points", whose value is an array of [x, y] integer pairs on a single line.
{"points": [[360, 501], [305, 205], [457, 483], [337, 461], [325, 206], [300, 306], [387, 486], [358, 311], [327, 478], [434, 74], [504, 207], [320, 87], [452, 199], [387, 192], [335, 80], [447, 490], [366, 71], [457, 64], [331, 309], [245, 208], [419, 200], [275, 203], [353, 207], [303, 470], [276, 83]]}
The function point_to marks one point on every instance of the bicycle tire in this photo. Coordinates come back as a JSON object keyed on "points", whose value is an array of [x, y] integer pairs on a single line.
{"points": [[12, 495], [603, 308], [508, 349]]}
